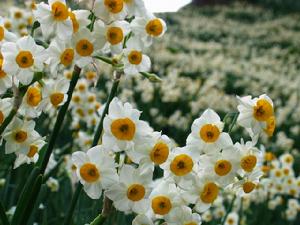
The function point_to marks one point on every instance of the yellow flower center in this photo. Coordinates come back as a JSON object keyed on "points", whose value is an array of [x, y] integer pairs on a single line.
{"points": [[181, 165], [74, 22], [2, 73], [1, 117], [248, 187], [135, 57], [59, 11], [161, 205], [269, 156], [271, 124], [159, 153], [33, 149], [67, 57], [123, 129], [210, 193], [7, 25], [89, 172], [263, 110], [18, 15], [278, 173], [24, 59], [289, 159], [1, 33], [209, 133], [56, 98], [222, 167], [114, 6], [154, 27], [191, 223], [20, 136], [230, 221], [90, 75], [114, 35], [33, 96], [286, 171], [248, 162], [84, 47], [76, 98], [136, 192]]}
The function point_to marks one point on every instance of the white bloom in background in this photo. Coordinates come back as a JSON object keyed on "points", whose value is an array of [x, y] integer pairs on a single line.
{"points": [[134, 60], [256, 115], [5, 35], [184, 215], [30, 104], [122, 127], [5, 107], [59, 54], [207, 136], [135, 7], [53, 184], [203, 193], [54, 94], [19, 135], [80, 19], [232, 219], [5, 79], [132, 191], [54, 19], [22, 58], [148, 28], [154, 151], [110, 10], [142, 219], [95, 170], [32, 155]]}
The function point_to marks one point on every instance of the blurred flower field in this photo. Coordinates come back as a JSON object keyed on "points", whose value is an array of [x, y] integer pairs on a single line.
{"points": [[238, 169]]}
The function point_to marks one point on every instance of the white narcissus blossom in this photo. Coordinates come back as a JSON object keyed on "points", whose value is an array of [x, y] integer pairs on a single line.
{"points": [[131, 193], [184, 215], [30, 104], [54, 19], [110, 10], [95, 170], [5, 79], [148, 27], [122, 127], [232, 219], [5, 35], [207, 136], [22, 59], [134, 60]]}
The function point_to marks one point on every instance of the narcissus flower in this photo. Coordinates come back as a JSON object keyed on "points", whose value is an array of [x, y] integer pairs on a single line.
{"points": [[95, 170], [5, 79], [54, 94], [184, 216], [207, 135], [80, 19], [5, 107], [148, 28], [134, 60], [135, 7], [30, 104], [54, 18], [122, 127], [5, 35], [132, 191], [142, 219], [22, 58], [232, 219], [256, 115], [19, 135], [110, 10]]}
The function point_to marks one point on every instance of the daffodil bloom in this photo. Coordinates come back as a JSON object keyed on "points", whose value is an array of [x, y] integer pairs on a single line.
{"points": [[135, 7], [54, 94], [148, 28], [132, 191], [256, 115], [207, 136], [30, 104], [5, 35], [122, 127], [80, 19], [110, 10], [59, 53], [134, 60], [22, 58], [54, 18], [95, 170], [232, 219], [5, 107], [203, 192], [19, 135]]}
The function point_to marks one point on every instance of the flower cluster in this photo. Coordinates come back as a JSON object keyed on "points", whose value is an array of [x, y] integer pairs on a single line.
{"points": [[193, 175]]}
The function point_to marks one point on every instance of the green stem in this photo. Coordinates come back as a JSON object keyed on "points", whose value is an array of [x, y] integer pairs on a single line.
{"points": [[8, 119], [3, 217], [99, 220], [60, 119], [35, 25], [228, 210], [233, 122], [97, 135]]}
